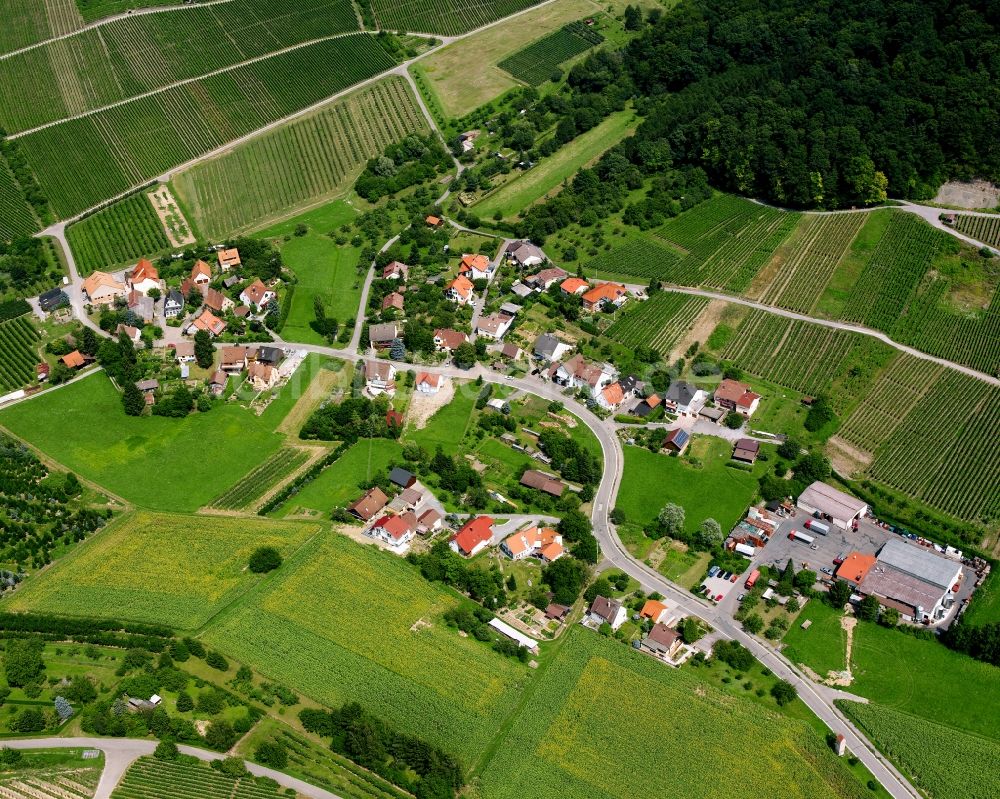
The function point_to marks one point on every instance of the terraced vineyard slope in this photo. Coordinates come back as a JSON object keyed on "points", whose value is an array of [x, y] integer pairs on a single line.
{"points": [[144, 52], [148, 778], [535, 63], [27, 22], [981, 228], [658, 323], [121, 233], [447, 17], [16, 216], [18, 353], [125, 146], [309, 159]]}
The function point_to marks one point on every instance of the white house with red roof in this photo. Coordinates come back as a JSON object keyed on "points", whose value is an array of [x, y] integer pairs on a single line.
{"points": [[428, 383], [537, 542], [144, 278], [201, 275], [475, 267], [473, 537], [395, 530], [257, 295], [459, 290], [736, 396], [610, 397]]}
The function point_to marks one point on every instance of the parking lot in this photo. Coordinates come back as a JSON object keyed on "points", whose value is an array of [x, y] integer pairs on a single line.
{"points": [[825, 548], [719, 586]]}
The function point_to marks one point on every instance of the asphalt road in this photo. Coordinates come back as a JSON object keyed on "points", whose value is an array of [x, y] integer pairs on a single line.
{"points": [[119, 754]]}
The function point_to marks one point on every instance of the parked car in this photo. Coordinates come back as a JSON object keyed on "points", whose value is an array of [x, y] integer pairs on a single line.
{"points": [[718, 597], [827, 570], [741, 597], [734, 578]]}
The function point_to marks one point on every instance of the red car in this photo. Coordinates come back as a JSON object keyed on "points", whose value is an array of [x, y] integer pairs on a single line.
{"points": [[734, 578], [718, 597]]}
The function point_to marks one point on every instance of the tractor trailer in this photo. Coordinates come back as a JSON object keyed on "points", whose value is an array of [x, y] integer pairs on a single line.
{"points": [[817, 527], [798, 535]]}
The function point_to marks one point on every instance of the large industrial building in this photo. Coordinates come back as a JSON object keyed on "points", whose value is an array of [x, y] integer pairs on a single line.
{"points": [[915, 580], [836, 506]]}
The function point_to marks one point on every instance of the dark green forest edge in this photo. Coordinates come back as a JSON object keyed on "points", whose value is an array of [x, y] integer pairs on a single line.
{"points": [[804, 105]]}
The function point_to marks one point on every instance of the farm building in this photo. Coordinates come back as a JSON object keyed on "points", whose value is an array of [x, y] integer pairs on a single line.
{"points": [[100, 288], [746, 450], [840, 508], [141, 306], [52, 299], [557, 612], [474, 536], [407, 499], [514, 635], [543, 482]]}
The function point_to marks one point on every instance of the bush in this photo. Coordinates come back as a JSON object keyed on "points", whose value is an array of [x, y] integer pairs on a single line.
{"points": [[264, 559], [783, 692], [184, 702], [273, 754], [166, 750], [217, 661]]}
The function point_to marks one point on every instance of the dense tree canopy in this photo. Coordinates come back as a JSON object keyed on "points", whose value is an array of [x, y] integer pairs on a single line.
{"points": [[824, 104]]}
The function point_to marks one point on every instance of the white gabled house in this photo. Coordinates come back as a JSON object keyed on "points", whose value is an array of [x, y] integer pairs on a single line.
{"points": [[380, 378]]}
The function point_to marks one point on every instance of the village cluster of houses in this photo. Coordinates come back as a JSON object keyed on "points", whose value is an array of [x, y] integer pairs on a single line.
{"points": [[395, 522], [662, 641], [134, 288]]}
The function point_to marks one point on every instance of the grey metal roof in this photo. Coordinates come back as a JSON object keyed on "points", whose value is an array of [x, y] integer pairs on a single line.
{"points": [[400, 476], [545, 345], [885, 581], [829, 500], [919, 562]]}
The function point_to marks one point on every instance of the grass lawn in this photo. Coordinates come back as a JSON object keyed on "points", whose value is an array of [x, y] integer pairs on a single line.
{"points": [[153, 461], [534, 184], [159, 568], [464, 75], [649, 714], [926, 679], [322, 219], [714, 490], [985, 605], [338, 484], [323, 269], [447, 426], [682, 566], [345, 622], [823, 647]]}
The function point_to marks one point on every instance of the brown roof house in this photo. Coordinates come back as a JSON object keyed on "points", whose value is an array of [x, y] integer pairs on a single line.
{"points": [[262, 375], [606, 611], [736, 396], [369, 505], [447, 340], [392, 300], [257, 295], [380, 378], [746, 450], [229, 259], [540, 481], [207, 321], [662, 641], [676, 441]]}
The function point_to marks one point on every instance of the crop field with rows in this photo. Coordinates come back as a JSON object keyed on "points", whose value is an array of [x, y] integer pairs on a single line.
{"points": [[27, 22], [725, 240], [160, 568], [309, 158], [447, 17], [18, 353], [566, 735], [943, 451], [972, 339], [982, 228], [125, 146], [637, 258], [142, 53], [121, 233], [941, 760], [899, 261], [535, 63], [149, 778], [891, 398], [257, 482], [809, 257], [660, 322], [353, 623], [16, 216], [802, 356]]}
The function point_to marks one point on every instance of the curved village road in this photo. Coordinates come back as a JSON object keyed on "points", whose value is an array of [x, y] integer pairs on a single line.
{"points": [[120, 753]]}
